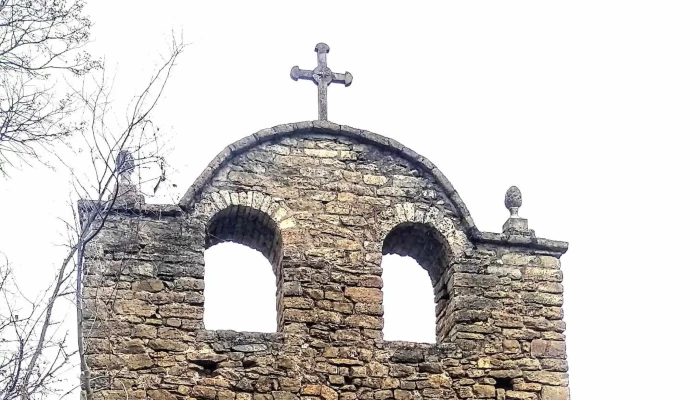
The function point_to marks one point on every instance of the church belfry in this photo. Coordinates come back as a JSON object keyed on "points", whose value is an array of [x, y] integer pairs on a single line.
{"points": [[323, 202]]}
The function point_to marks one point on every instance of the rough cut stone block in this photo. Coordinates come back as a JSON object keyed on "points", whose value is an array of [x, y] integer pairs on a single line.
{"points": [[408, 356], [363, 294], [375, 180], [484, 391], [250, 348], [548, 378], [548, 348], [555, 393]]}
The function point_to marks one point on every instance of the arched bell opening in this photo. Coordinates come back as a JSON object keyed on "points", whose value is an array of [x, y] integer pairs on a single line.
{"points": [[411, 279], [242, 270]]}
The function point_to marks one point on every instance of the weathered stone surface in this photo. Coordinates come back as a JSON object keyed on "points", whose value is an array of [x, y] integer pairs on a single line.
{"points": [[161, 395], [150, 285], [484, 391], [145, 331], [518, 395], [181, 311], [548, 378], [323, 203], [137, 361], [555, 393], [364, 295], [134, 307], [548, 348], [203, 392], [167, 345], [250, 348], [408, 356]]}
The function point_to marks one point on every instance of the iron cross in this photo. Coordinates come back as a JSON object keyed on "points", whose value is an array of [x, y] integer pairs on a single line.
{"points": [[322, 76]]}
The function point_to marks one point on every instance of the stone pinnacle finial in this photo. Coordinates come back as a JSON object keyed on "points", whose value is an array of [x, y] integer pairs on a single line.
{"points": [[124, 166], [515, 225], [513, 201], [126, 194]]}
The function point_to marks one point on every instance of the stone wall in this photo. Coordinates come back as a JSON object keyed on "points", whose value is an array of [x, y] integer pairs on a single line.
{"points": [[323, 203]]}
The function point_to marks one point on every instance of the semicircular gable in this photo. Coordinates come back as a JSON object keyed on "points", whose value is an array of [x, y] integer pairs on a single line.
{"points": [[322, 127]]}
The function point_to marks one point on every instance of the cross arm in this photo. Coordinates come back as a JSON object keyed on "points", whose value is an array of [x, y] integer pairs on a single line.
{"points": [[345, 78], [298, 73]]}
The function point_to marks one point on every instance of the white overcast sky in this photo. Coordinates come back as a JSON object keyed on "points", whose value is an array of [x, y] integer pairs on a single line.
{"points": [[591, 108]]}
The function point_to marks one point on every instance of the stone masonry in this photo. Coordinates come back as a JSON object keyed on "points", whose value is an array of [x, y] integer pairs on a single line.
{"points": [[323, 203]]}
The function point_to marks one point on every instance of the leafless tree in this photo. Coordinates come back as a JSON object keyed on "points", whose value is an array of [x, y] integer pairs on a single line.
{"points": [[37, 355], [39, 39], [21, 318]]}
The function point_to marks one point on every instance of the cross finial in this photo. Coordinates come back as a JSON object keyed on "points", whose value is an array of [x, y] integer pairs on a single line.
{"points": [[322, 76]]}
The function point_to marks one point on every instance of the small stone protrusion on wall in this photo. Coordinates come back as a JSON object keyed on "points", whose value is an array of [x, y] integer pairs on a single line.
{"points": [[515, 225]]}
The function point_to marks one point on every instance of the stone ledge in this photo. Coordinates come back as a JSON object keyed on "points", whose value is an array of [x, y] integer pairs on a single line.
{"points": [[150, 210], [553, 247]]}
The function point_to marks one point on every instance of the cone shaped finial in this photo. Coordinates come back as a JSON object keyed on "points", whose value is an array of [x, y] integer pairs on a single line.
{"points": [[513, 200]]}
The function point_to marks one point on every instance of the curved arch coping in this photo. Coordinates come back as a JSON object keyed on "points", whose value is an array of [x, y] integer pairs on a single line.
{"points": [[247, 226], [246, 143]]}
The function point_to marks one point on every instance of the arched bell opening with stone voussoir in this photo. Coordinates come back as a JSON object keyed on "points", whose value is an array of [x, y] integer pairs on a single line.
{"points": [[415, 295], [243, 249]]}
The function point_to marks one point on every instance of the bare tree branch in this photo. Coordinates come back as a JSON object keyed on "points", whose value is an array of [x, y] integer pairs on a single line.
{"points": [[38, 38], [33, 345]]}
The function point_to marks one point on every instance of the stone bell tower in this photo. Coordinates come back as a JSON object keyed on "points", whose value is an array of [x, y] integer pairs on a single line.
{"points": [[323, 202]]}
